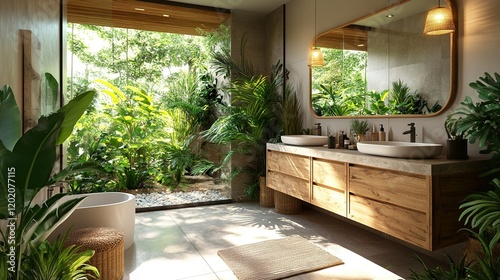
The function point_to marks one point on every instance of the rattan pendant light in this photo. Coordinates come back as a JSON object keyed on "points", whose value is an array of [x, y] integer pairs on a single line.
{"points": [[439, 21], [315, 54]]}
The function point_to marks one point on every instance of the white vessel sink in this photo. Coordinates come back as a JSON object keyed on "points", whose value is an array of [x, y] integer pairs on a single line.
{"points": [[304, 140], [400, 149]]}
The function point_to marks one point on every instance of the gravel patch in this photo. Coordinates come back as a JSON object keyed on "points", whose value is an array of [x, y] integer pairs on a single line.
{"points": [[166, 198]]}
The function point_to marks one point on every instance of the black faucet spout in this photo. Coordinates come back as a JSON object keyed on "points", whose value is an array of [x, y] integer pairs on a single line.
{"points": [[412, 132]]}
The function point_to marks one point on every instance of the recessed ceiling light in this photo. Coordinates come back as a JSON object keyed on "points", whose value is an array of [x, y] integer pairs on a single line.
{"points": [[389, 15], [140, 9], [165, 15]]}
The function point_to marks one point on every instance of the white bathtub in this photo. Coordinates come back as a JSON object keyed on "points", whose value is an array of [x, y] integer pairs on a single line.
{"points": [[106, 209]]}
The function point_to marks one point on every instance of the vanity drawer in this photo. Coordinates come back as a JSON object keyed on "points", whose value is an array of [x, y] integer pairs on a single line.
{"points": [[330, 199], [405, 224], [329, 173], [293, 165], [296, 187], [397, 188]]}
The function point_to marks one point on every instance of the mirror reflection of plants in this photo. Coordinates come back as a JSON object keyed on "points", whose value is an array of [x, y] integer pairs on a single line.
{"points": [[331, 102]]}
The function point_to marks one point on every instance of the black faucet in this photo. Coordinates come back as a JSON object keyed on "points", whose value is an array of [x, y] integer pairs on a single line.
{"points": [[411, 132]]}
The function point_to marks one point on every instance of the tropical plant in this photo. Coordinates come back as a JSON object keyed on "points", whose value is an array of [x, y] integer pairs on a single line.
{"points": [[455, 271], [53, 261], [292, 113], [377, 101], [359, 126], [253, 119], [451, 127], [481, 210], [481, 122], [25, 169], [331, 102]]}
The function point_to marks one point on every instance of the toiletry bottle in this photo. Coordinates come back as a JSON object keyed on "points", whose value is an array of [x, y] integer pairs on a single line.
{"points": [[374, 134], [341, 139], [331, 141], [347, 142], [381, 133], [317, 130]]}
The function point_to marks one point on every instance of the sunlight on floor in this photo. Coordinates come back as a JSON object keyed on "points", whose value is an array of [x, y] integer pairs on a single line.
{"points": [[183, 243]]}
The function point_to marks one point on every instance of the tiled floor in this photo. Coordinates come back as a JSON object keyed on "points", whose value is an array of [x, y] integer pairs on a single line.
{"points": [[183, 243]]}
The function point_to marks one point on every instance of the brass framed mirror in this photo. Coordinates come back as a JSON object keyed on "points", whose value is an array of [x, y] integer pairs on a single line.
{"points": [[383, 65]]}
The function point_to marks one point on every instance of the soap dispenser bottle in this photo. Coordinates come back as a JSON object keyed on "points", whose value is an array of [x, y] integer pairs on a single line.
{"points": [[381, 133], [374, 134]]}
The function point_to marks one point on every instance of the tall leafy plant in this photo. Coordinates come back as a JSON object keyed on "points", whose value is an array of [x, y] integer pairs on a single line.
{"points": [[480, 121], [253, 119], [26, 168]]}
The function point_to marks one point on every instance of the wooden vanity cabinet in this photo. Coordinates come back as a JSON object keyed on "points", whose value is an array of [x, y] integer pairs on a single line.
{"points": [[420, 209], [329, 185], [289, 174], [395, 203]]}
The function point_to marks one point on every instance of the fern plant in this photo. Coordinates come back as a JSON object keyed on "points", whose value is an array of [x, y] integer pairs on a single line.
{"points": [[454, 272], [52, 261]]}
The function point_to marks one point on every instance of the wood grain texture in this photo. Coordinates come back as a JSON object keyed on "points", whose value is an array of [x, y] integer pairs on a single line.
{"points": [[329, 173], [330, 199], [419, 209], [448, 192], [292, 165], [298, 188], [32, 65], [146, 15], [398, 188], [407, 225]]}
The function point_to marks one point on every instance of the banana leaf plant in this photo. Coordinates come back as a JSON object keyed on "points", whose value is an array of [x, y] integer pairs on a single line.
{"points": [[26, 165]]}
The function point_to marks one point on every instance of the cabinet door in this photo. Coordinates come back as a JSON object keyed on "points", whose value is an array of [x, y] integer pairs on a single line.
{"points": [[293, 165], [410, 226], [393, 187], [393, 202], [329, 186], [296, 187]]}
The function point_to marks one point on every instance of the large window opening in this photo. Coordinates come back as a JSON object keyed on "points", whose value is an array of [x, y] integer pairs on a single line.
{"points": [[156, 92]]}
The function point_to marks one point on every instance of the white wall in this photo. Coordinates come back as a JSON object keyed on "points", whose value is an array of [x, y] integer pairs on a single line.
{"points": [[478, 45]]}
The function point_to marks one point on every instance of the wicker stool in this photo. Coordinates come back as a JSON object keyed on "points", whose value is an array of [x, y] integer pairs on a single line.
{"points": [[266, 194], [286, 204], [108, 246]]}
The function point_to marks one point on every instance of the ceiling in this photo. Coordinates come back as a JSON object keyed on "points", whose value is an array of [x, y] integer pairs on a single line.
{"points": [[171, 16], [255, 6]]}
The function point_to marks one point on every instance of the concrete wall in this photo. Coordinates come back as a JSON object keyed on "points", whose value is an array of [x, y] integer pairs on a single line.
{"points": [[478, 44], [42, 18], [414, 58], [263, 37]]}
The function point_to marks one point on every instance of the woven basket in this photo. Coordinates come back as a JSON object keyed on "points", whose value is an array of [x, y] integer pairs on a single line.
{"points": [[107, 243], [473, 251], [266, 194], [286, 204]]}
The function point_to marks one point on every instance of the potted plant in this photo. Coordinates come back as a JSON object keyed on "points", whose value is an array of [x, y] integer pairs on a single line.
{"points": [[481, 210], [456, 144], [359, 127], [253, 116], [26, 165]]}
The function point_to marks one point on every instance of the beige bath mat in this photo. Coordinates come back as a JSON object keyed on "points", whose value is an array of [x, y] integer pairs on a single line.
{"points": [[276, 259]]}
